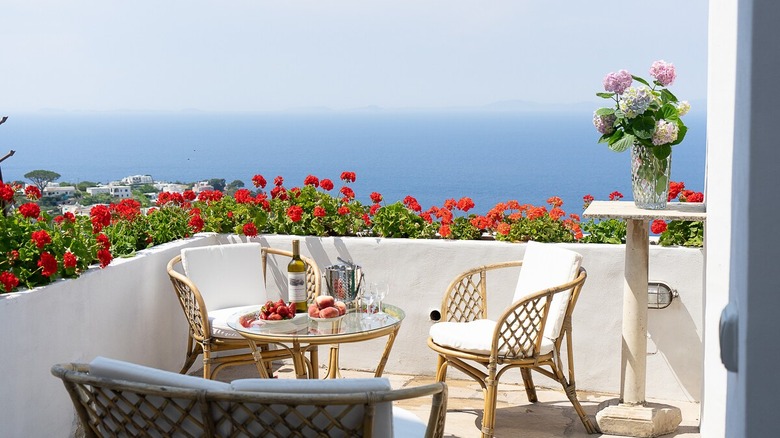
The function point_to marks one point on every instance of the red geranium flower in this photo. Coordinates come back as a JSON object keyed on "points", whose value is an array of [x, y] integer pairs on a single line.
{"points": [[49, 264], [412, 203], [250, 230], [343, 210], [449, 204], [445, 216], [189, 195], [374, 209], [279, 193], [658, 226], [326, 184], [196, 223], [444, 231], [465, 204], [278, 181], [426, 217], [103, 241], [32, 193], [244, 196], [503, 228], [674, 189], [319, 212], [376, 197], [295, 213], [69, 260], [556, 213], [105, 257], [536, 212], [100, 216], [555, 201], [615, 196], [9, 281], [32, 211], [41, 238], [127, 209], [480, 222], [209, 196], [348, 176], [230, 215], [691, 196], [259, 181], [311, 180], [347, 192], [296, 192], [6, 192], [366, 220]]}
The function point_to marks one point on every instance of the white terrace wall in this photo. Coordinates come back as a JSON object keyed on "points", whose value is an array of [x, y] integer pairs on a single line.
{"points": [[128, 311]]}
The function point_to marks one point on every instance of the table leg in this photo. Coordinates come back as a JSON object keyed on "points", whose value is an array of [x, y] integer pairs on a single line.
{"points": [[632, 416], [333, 363], [299, 361], [257, 354], [385, 354]]}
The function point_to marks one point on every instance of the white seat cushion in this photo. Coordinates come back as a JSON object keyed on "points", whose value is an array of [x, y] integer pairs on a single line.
{"points": [[383, 420], [218, 320], [406, 424], [226, 275], [548, 265], [474, 336]]}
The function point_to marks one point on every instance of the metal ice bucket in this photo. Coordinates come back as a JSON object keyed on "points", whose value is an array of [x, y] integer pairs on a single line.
{"points": [[344, 281]]}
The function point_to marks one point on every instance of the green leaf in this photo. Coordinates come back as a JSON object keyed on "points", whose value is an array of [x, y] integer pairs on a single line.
{"points": [[605, 111], [663, 151], [624, 143], [681, 133], [604, 138], [669, 112], [640, 80], [644, 127], [605, 95], [667, 96], [617, 135]]}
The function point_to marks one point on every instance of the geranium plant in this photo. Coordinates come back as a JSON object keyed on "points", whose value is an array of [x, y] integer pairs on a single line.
{"points": [[646, 114]]}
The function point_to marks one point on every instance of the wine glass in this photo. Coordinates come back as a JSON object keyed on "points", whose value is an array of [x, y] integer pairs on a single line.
{"points": [[367, 298], [381, 288]]}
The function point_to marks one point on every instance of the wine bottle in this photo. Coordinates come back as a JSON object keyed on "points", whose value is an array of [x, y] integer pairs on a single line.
{"points": [[296, 279]]}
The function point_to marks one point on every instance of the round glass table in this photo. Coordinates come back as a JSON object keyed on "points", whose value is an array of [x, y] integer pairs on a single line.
{"points": [[302, 334]]}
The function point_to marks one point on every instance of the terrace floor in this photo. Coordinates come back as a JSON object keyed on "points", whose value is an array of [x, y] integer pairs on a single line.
{"points": [[551, 416]]}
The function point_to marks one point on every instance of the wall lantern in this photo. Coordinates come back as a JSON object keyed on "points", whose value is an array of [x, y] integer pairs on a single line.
{"points": [[660, 295]]}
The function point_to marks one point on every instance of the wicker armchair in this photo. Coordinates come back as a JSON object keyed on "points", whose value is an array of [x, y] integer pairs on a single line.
{"points": [[117, 398], [528, 335], [230, 278]]}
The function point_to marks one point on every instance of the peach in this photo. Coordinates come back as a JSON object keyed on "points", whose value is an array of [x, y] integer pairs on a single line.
{"points": [[324, 301], [314, 311], [329, 312], [342, 307]]}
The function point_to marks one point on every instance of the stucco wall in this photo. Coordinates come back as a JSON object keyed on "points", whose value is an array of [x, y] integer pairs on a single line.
{"points": [[128, 311]]}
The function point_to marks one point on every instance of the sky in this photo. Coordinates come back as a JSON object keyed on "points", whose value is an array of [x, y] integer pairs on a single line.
{"points": [[259, 55]]}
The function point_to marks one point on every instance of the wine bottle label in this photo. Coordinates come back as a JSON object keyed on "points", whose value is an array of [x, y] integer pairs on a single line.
{"points": [[296, 287]]}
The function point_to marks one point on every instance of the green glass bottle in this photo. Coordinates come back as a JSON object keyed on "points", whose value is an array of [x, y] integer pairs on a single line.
{"points": [[296, 279]]}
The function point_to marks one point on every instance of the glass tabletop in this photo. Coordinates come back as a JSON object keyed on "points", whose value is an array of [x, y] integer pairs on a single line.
{"points": [[354, 322]]}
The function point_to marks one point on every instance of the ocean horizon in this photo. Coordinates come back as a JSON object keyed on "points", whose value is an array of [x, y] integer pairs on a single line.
{"points": [[489, 156]]}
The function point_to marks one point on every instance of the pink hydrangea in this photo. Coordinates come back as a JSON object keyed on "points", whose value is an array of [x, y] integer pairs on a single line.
{"points": [[663, 72], [604, 124], [665, 132], [617, 82]]}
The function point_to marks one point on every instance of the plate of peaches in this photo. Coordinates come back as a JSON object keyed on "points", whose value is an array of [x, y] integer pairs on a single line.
{"points": [[326, 309]]}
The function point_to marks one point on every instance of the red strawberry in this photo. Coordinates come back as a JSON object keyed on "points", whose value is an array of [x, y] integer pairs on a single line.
{"points": [[274, 317], [283, 311]]}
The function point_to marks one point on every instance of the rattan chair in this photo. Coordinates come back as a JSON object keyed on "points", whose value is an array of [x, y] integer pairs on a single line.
{"points": [[528, 335], [206, 311], [157, 403]]}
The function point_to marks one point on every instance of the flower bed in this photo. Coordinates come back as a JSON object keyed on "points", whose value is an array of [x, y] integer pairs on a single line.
{"points": [[38, 249]]}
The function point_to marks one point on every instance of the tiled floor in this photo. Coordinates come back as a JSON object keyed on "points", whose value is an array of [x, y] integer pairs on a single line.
{"points": [[551, 416]]}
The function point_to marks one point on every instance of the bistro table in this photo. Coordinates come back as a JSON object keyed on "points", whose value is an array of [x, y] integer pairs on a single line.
{"points": [[303, 334], [633, 416]]}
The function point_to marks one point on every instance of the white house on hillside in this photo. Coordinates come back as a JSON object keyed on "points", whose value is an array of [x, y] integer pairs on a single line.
{"points": [[138, 179], [121, 192], [51, 191]]}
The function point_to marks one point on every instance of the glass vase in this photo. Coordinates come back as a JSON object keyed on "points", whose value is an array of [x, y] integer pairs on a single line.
{"points": [[649, 178]]}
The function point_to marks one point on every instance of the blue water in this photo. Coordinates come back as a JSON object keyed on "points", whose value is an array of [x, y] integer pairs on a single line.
{"points": [[489, 156]]}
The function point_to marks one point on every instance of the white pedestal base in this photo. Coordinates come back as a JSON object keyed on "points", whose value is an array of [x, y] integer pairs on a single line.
{"points": [[650, 420]]}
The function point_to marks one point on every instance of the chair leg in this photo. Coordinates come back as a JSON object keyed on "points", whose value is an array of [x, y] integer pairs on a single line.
{"points": [[192, 353], [441, 368], [530, 388], [206, 363], [571, 393], [491, 395]]}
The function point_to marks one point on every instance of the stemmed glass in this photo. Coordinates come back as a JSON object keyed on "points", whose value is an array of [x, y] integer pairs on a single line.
{"points": [[367, 298], [381, 288]]}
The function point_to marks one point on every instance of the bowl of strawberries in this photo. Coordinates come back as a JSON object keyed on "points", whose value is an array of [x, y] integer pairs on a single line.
{"points": [[272, 312]]}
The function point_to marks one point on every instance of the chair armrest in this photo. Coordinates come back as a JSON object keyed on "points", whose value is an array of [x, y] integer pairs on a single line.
{"points": [[465, 298], [190, 300]]}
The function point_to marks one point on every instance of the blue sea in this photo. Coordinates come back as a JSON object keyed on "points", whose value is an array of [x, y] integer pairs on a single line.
{"points": [[490, 156]]}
